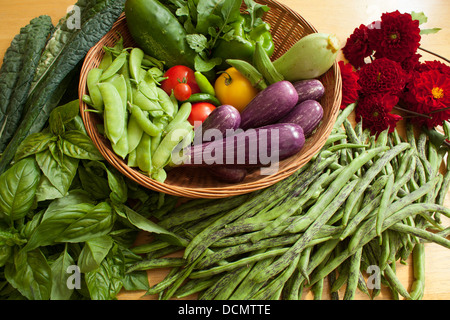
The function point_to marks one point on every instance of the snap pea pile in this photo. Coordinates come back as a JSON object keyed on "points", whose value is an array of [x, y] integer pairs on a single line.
{"points": [[362, 202], [142, 122]]}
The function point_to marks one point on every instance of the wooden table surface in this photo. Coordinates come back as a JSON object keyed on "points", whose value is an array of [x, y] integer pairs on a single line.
{"points": [[340, 17]]}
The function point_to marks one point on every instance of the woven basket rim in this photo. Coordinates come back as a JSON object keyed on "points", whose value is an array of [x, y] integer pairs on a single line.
{"points": [[205, 192]]}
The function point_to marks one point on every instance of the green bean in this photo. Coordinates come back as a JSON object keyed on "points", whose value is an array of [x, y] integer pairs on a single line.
{"points": [[289, 208], [385, 250], [236, 264], [150, 247], [277, 283], [424, 234], [115, 66], [92, 80], [385, 199], [292, 287], [410, 210], [114, 114], [418, 286], [325, 208], [247, 288], [222, 283], [157, 263], [395, 282], [135, 61], [237, 276], [246, 210], [302, 265], [342, 278], [396, 206], [182, 276], [353, 275], [194, 286], [341, 180], [165, 283], [346, 146], [370, 175], [183, 214], [343, 114]]}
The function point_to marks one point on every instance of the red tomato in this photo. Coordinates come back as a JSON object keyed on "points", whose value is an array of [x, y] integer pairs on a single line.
{"points": [[200, 111], [182, 91], [179, 74]]}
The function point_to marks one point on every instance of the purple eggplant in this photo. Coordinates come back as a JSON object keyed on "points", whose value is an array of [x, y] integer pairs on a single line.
{"points": [[220, 121], [258, 147], [228, 174], [307, 115], [310, 89], [269, 105]]}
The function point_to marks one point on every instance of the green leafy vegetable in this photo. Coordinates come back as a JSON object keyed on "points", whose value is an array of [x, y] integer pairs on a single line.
{"points": [[18, 189], [17, 73], [63, 54]]}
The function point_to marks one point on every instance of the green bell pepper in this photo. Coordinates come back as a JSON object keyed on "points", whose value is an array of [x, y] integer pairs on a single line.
{"points": [[240, 43]]}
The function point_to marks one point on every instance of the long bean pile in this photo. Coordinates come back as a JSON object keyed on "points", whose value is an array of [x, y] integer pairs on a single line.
{"points": [[362, 204]]}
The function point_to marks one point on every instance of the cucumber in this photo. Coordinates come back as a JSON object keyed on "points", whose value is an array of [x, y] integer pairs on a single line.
{"points": [[157, 31]]}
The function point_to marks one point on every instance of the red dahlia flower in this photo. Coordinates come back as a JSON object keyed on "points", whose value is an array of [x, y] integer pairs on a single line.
{"points": [[382, 76], [350, 84], [428, 93], [398, 36], [358, 47], [375, 112]]}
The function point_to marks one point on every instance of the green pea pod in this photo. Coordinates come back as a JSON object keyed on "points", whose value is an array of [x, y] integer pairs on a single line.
{"points": [[143, 154], [93, 78], [121, 86], [135, 62], [181, 116], [165, 102], [131, 160], [203, 97], [106, 60], [134, 132], [115, 66], [144, 103], [204, 84], [170, 141], [144, 121], [160, 123], [114, 115]]}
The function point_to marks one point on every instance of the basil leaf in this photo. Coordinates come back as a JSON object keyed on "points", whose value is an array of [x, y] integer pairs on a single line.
{"points": [[93, 253], [145, 224], [105, 282], [60, 289], [18, 189], [59, 174], [70, 219], [77, 145], [30, 274], [34, 143], [96, 185]]}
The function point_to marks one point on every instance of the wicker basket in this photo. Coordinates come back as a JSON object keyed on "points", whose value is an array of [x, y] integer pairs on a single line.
{"points": [[287, 27]]}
